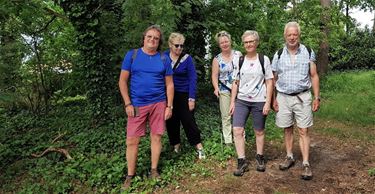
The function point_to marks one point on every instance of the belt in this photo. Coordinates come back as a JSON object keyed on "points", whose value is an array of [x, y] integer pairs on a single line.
{"points": [[296, 93]]}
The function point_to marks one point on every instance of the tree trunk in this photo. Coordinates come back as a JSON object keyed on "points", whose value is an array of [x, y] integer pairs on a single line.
{"points": [[322, 59], [347, 23], [188, 26]]}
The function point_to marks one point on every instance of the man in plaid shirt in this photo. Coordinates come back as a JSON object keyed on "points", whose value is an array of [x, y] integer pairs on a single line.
{"points": [[295, 73]]}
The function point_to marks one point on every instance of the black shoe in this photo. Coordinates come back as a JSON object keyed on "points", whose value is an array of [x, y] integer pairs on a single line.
{"points": [[261, 166], [242, 167]]}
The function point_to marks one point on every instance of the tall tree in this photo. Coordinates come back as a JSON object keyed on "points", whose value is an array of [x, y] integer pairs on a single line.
{"points": [[322, 59], [96, 22], [190, 22]]}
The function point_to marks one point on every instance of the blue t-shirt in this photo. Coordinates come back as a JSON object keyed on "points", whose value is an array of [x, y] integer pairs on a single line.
{"points": [[147, 77], [184, 75]]}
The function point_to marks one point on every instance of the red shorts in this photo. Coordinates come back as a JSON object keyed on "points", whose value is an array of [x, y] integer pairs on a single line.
{"points": [[154, 113]]}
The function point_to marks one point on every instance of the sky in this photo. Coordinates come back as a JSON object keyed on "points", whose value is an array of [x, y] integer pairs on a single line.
{"points": [[364, 18]]}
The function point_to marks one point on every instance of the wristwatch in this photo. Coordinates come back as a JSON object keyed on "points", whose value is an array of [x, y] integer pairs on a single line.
{"points": [[171, 107], [191, 99]]}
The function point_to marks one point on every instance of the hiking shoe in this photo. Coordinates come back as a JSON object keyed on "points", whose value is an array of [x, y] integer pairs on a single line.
{"points": [[154, 174], [242, 167], [288, 162], [127, 183], [201, 154], [176, 149], [261, 166], [306, 174]]}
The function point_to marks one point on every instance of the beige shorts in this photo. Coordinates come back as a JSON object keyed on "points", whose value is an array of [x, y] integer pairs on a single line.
{"points": [[294, 107]]}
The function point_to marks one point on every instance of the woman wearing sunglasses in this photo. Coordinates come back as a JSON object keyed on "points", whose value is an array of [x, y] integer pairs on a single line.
{"points": [[185, 85], [222, 79]]}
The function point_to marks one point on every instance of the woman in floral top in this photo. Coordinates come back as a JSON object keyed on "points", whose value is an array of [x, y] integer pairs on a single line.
{"points": [[222, 78]]}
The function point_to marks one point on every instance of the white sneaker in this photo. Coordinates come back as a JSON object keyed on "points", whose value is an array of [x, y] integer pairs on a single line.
{"points": [[201, 154]]}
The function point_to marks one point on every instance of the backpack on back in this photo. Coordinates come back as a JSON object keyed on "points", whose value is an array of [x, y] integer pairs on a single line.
{"points": [[280, 51], [261, 60], [135, 51]]}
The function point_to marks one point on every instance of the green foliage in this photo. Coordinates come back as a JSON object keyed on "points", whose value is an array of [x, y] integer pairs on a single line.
{"points": [[357, 51], [37, 57], [371, 172], [138, 15], [356, 86], [94, 21], [99, 163]]}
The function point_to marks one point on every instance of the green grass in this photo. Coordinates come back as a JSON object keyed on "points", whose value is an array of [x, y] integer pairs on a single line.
{"points": [[349, 97]]}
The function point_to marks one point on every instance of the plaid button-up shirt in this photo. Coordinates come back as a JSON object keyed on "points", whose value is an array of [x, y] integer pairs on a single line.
{"points": [[293, 78]]}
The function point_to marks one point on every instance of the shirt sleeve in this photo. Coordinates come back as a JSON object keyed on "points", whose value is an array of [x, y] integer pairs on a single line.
{"points": [[167, 64], [275, 62], [126, 63], [313, 57], [267, 68], [236, 68]]}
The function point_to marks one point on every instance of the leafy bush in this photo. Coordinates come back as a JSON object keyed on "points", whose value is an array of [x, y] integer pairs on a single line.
{"points": [[357, 51], [371, 172]]}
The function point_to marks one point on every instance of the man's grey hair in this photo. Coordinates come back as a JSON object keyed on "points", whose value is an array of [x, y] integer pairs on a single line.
{"points": [[292, 24]]}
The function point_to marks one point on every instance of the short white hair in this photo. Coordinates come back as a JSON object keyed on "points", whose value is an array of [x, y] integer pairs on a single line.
{"points": [[250, 33], [292, 24]]}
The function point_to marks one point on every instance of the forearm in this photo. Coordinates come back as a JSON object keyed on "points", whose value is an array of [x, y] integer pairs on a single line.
{"points": [[170, 93], [234, 91], [269, 89], [215, 74], [123, 86], [125, 93], [315, 85]]}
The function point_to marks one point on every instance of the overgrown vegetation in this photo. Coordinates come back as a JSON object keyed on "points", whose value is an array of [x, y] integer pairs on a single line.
{"points": [[348, 96], [98, 163], [59, 67]]}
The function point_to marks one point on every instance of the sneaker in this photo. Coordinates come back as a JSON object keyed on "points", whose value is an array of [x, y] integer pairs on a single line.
{"points": [[154, 174], [261, 166], [127, 183], [288, 162], [176, 149], [242, 167], [306, 174], [201, 154]]}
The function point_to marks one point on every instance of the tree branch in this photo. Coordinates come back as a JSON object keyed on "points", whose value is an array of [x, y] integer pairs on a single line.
{"points": [[62, 151]]}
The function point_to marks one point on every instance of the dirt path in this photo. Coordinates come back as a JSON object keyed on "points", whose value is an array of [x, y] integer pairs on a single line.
{"points": [[339, 165]]}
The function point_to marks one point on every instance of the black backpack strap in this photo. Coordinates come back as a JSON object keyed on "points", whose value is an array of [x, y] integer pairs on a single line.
{"points": [[240, 63], [178, 61], [261, 60], [135, 51], [309, 50], [279, 52]]}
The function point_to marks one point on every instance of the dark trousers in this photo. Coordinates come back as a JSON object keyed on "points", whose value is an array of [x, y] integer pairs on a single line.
{"points": [[182, 114]]}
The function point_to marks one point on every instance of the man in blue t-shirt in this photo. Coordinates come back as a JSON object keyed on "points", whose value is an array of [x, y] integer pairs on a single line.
{"points": [[151, 98]]}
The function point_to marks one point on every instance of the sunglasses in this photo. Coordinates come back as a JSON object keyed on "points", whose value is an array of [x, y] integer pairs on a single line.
{"points": [[179, 45]]}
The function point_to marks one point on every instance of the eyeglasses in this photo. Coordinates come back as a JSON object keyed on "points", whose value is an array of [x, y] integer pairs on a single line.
{"points": [[250, 42], [152, 37], [179, 45]]}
